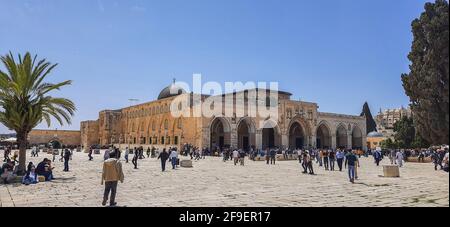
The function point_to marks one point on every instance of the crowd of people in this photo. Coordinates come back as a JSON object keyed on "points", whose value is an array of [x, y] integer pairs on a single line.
{"points": [[112, 167]]}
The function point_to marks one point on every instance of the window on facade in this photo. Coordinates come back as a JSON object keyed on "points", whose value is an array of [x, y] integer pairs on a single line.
{"points": [[155, 141], [162, 140], [175, 141], [144, 140], [168, 140], [134, 140], [166, 124], [180, 123]]}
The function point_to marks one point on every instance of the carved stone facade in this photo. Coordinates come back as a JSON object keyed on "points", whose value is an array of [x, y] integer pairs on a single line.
{"points": [[151, 124]]}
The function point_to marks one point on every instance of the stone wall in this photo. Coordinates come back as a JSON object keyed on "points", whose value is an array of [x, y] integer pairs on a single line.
{"points": [[65, 137]]}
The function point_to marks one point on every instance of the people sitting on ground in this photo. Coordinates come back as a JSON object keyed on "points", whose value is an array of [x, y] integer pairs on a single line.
{"points": [[30, 177], [8, 174], [45, 169]]}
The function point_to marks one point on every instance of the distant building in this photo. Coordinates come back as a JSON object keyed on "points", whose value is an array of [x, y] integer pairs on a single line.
{"points": [[387, 118], [374, 140]]}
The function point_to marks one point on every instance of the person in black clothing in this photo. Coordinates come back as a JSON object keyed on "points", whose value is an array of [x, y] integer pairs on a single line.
{"points": [[163, 156], [273, 155], [44, 169], [135, 159], [67, 155], [148, 152], [90, 155], [332, 159], [325, 159]]}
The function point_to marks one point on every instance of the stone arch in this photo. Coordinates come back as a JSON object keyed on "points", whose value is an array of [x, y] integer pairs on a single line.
{"points": [[341, 136], [56, 143], [220, 133], [323, 135], [298, 133], [246, 133], [357, 138], [271, 134]]}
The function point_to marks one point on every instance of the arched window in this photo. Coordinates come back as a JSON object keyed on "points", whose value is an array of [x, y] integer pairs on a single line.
{"points": [[153, 126], [180, 123], [166, 124]]}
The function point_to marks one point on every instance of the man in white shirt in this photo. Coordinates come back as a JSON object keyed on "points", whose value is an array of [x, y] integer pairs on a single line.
{"points": [[236, 156]]}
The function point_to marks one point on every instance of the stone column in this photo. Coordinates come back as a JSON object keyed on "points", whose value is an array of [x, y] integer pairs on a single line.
{"points": [[349, 141], [285, 140], [234, 136], [313, 141], [333, 141], [259, 141]]}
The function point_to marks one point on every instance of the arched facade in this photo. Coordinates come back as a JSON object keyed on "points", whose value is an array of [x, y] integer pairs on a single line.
{"points": [[297, 124]]}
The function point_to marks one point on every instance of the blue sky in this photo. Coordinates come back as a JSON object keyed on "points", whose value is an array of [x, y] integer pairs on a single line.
{"points": [[338, 53]]}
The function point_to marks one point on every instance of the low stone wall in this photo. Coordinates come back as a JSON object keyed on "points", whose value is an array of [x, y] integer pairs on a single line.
{"points": [[416, 159]]}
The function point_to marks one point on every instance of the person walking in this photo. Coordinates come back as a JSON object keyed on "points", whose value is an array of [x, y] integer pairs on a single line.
{"points": [[235, 157], [107, 154], [392, 155], [310, 163], [173, 158], [350, 162], [273, 155], [90, 154], [148, 152], [435, 159], [163, 156], [332, 159], [399, 157], [325, 159], [135, 159], [305, 161], [340, 155], [111, 175], [66, 160], [267, 154], [127, 154], [242, 155], [377, 157]]}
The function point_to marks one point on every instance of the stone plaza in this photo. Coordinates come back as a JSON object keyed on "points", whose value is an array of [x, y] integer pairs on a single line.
{"points": [[213, 183]]}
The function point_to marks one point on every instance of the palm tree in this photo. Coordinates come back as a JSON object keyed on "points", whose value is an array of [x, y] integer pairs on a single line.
{"points": [[25, 101]]}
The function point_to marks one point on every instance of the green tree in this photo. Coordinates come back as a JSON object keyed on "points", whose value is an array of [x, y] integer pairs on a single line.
{"points": [[419, 142], [404, 132], [25, 101], [388, 144], [370, 122], [427, 82]]}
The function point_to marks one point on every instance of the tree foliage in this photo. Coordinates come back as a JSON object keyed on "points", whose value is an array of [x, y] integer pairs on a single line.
{"points": [[25, 99], [427, 82]]}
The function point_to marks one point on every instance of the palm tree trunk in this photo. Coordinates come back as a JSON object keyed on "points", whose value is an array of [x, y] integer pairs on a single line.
{"points": [[22, 140]]}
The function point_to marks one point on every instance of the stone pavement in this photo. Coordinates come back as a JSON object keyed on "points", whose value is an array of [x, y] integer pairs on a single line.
{"points": [[214, 183]]}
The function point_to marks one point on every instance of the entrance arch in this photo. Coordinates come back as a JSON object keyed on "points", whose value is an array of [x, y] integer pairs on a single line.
{"points": [[56, 144], [271, 136], [323, 136], [220, 133], [297, 136], [341, 137], [246, 134], [357, 138]]}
